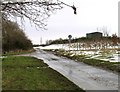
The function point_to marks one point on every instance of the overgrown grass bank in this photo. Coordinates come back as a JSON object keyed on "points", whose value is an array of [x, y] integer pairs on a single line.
{"points": [[112, 66], [28, 73]]}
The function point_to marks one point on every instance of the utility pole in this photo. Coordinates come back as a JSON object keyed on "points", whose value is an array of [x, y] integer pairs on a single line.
{"points": [[69, 36], [40, 40]]}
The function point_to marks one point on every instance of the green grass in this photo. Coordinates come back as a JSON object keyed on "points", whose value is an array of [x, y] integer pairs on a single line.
{"points": [[112, 66], [18, 52], [28, 73]]}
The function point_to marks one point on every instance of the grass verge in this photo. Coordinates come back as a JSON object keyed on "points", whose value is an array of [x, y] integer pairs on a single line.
{"points": [[112, 66], [18, 52], [28, 73]]}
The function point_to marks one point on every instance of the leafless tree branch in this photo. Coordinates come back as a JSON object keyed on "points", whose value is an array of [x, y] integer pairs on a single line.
{"points": [[37, 11]]}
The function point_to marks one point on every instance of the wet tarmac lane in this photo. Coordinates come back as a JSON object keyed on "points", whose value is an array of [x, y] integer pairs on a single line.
{"points": [[85, 76]]}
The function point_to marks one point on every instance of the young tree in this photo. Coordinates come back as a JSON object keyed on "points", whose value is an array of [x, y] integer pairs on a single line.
{"points": [[114, 40]]}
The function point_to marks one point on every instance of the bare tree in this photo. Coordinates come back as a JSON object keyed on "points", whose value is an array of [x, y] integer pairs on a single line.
{"points": [[105, 31], [37, 11], [114, 40]]}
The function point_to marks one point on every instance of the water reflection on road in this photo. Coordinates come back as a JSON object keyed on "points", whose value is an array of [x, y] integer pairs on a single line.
{"points": [[85, 76]]}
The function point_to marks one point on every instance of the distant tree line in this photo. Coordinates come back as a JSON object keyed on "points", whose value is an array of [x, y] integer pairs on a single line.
{"points": [[114, 39], [13, 37]]}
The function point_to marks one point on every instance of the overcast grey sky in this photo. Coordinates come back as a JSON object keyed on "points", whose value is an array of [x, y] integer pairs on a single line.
{"points": [[90, 15]]}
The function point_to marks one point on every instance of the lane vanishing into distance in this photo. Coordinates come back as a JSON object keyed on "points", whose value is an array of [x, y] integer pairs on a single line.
{"points": [[85, 76]]}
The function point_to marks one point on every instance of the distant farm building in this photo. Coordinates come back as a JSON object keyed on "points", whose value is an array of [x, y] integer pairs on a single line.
{"points": [[94, 35]]}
